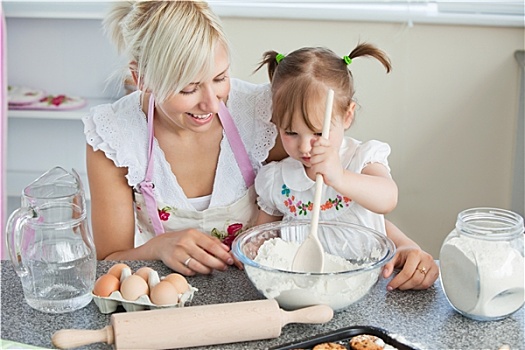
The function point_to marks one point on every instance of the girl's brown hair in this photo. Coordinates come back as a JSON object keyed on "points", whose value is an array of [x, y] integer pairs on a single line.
{"points": [[300, 80]]}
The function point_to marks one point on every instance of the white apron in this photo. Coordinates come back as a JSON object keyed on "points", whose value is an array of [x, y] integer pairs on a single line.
{"points": [[154, 218]]}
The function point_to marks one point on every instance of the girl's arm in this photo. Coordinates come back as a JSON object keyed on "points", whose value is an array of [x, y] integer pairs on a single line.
{"points": [[373, 189]]}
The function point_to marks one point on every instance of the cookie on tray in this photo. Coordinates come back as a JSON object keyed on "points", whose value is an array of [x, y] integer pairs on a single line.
{"points": [[329, 346], [366, 342]]}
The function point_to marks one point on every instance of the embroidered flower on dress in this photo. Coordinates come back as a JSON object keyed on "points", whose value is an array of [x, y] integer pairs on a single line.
{"points": [[300, 208], [164, 214], [304, 208]]}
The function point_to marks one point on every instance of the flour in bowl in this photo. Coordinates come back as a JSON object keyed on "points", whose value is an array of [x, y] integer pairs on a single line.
{"points": [[294, 290]]}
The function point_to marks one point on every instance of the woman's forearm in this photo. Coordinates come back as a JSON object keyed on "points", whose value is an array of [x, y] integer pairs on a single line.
{"points": [[398, 237]]}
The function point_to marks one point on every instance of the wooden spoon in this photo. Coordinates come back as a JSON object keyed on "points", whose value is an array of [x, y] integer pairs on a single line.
{"points": [[310, 255]]}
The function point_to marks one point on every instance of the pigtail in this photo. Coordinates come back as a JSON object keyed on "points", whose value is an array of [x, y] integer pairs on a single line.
{"points": [[270, 59], [370, 50]]}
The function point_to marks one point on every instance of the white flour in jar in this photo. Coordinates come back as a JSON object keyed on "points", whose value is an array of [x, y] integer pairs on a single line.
{"points": [[293, 291], [482, 277]]}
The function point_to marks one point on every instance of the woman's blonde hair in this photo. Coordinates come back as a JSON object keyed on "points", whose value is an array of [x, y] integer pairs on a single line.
{"points": [[170, 43], [300, 80]]}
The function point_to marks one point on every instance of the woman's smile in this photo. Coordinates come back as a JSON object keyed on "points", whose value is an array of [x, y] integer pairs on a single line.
{"points": [[200, 118]]}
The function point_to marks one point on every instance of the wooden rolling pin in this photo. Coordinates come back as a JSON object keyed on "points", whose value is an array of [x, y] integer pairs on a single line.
{"points": [[193, 326]]}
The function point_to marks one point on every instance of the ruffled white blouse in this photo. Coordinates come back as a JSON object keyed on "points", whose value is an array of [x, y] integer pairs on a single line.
{"points": [[120, 131]]}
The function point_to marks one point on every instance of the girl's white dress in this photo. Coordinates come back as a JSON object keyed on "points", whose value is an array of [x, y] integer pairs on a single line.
{"points": [[283, 188], [120, 131]]}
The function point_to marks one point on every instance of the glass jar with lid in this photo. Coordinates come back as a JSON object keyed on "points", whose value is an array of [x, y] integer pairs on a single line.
{"points": [[482, 264]]}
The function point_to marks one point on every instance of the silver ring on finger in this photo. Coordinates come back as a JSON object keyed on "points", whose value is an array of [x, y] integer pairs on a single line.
{"points": [[187, 261]]}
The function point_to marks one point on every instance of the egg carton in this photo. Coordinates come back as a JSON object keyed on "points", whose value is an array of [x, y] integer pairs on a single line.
{"points": [[109, 304]]}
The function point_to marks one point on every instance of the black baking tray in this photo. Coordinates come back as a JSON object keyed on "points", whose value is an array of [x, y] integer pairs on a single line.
{"points": [[343, 336]]}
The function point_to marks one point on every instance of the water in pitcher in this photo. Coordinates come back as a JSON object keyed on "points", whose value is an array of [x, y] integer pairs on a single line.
{"points": [[58, 287]]}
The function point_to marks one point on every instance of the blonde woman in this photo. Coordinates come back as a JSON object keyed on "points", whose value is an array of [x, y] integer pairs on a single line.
{"points": [[170, 167]]}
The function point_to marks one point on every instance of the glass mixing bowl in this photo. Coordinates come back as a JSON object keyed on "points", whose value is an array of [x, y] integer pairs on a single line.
{"points": [[354, 258]]}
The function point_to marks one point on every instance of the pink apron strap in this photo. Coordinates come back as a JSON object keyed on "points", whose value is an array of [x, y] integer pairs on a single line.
{"points": [[239, 151], [146, 186]]}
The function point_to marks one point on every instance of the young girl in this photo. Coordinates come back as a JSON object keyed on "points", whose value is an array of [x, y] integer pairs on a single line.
{"points": [[359, 188], [170, 164]]}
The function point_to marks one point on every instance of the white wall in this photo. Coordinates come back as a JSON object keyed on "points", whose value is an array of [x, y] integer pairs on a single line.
{"points": [[448, 109]]}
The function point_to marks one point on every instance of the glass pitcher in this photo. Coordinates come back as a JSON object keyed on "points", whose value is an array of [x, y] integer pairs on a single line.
{"points": [[55, 185], [50, 243]]}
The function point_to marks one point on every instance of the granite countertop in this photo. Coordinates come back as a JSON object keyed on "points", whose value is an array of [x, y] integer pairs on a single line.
{"points": [[423, 319]]}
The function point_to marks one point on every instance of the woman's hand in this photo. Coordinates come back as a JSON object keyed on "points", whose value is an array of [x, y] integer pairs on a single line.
{"points": [[418, 269], [191, 251]]}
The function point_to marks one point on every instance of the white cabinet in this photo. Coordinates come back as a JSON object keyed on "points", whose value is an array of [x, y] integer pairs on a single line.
{"points": [[62, 51]]}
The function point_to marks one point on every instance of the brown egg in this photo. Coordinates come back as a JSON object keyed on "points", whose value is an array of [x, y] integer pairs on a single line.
{"points": [[133, 287], [178, 281], [164, 293], [144, 272], [105, 285], [116, 270]]}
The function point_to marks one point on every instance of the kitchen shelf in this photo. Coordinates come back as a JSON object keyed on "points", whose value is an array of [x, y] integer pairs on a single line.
{"points": [[73, 114]]}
